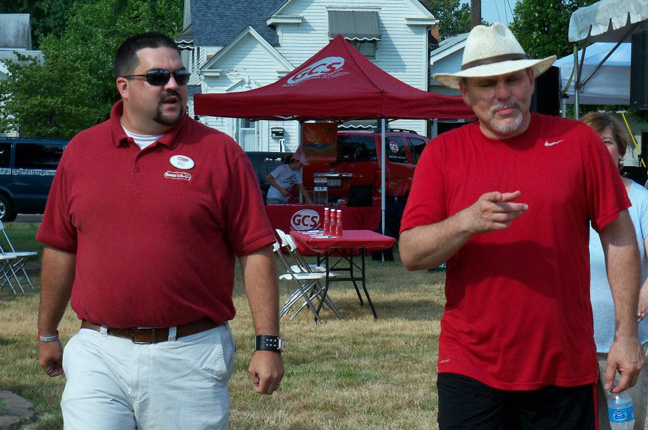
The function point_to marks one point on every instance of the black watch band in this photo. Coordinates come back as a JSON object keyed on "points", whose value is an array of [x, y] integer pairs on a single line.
{"points": [[269, 343]]}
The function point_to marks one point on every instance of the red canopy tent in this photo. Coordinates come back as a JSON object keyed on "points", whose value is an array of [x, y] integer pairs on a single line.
{"points": [[337, 83]]}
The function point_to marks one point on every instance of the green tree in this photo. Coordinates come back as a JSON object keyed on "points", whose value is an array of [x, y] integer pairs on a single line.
{"points": [[75, 87], [541, 26], [453, 16]]}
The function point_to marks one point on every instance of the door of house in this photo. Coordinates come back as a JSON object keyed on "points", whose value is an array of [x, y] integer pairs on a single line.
{"points": [[247, 134]]}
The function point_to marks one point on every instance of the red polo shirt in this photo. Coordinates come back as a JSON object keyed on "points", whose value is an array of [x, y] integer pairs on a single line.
{"points": [[155, 238]]}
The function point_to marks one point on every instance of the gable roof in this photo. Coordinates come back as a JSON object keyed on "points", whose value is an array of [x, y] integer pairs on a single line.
{"points": [[448, 46], [248, 31], [15, 31], [216, 23]]}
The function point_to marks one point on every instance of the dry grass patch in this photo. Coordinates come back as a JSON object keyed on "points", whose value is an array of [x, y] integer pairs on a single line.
{"points": [[355, 373]]}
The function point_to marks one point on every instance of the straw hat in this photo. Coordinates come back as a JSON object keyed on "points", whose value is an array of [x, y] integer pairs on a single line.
{"points": [[492, 51]]}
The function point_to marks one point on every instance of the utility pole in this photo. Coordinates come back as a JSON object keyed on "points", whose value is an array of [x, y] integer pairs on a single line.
{"points": [[475, 13]]}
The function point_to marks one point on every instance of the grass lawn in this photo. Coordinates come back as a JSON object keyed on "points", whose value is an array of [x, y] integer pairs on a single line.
{"points": [[355, 373]]}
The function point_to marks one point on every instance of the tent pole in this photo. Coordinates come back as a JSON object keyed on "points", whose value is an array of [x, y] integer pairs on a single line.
{"points": [[383, 138], [577, 86], [299, 146]]}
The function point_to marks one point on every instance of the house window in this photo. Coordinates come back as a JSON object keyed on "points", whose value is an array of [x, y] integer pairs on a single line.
{"points": [[360, 28], [368, 48]]}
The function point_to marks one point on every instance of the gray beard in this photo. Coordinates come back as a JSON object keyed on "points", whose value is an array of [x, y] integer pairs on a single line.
{"points": [[508, 126]]}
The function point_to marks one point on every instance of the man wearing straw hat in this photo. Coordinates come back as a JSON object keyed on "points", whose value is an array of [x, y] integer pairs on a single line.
{"points": [[507, 202]]}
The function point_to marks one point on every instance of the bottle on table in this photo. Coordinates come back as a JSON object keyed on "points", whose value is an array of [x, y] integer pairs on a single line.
{"points": [[621, 411], [338, 223], [327, 221]]}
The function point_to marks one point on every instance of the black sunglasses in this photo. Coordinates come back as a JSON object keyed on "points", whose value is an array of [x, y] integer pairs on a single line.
{"points": [[160, 77]]}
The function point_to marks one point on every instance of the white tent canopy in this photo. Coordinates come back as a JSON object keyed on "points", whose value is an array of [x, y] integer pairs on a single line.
{"points": [[608, 20], [609, 85]]}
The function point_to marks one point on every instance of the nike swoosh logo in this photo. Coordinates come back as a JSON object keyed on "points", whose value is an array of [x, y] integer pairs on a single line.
{"points": [[552, 143]]}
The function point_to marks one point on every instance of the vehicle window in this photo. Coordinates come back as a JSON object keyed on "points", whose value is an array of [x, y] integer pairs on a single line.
{"points": [[396, 150], [417, 146], [38, 156], [5, 154], [356, 148]]}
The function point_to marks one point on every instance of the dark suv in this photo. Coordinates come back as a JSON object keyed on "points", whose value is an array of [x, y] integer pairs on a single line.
{"points": [[27, 168]]}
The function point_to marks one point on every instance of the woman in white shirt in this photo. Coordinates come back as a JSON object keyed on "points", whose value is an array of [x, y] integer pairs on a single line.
{"points": [[284, 177]]}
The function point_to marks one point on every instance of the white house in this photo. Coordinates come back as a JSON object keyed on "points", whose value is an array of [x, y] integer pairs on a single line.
{"points": [[446, 58], [238, 46], [15, 38]]}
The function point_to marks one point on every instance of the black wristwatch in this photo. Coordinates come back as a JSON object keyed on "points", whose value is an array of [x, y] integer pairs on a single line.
{"points": [[270, 343]]}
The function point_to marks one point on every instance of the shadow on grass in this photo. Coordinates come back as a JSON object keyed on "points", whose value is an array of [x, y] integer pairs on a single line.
{"points": [[7, 342]]}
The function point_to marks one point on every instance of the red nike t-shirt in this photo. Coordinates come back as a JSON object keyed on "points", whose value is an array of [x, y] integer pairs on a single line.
{"points": [[518, 314]]}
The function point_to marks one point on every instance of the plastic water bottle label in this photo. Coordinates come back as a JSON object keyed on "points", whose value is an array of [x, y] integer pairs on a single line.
{"points": [[621, 415]]}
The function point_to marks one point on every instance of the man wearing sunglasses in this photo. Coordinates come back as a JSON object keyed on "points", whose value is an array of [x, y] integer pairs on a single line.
{"points": [[146, 217]]}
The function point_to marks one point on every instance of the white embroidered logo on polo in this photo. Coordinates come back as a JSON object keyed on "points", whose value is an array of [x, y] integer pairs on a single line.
{"points": [[182, 162], [547, 143], [180, 176]]}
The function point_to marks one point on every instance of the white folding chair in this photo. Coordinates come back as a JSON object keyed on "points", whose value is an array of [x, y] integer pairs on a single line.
{"points": [[21, 258], [309, 288], [7, 272], [302, 265]]}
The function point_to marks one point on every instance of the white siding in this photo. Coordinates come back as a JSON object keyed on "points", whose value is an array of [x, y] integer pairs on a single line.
{"points": [[402, 52]]}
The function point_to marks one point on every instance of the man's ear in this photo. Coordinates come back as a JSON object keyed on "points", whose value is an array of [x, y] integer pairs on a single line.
{"points": [[122, 87], [531, 77], [464, 92]]}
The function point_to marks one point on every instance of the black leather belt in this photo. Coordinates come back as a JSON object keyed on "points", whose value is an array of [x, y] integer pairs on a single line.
{"points": [[155, 334]]}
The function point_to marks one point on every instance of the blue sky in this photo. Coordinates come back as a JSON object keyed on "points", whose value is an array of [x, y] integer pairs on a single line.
{"points": [[497, 10]]}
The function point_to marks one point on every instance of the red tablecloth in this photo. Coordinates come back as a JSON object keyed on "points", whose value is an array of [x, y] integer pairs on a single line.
{"points": [[309, 217], [350, 239]]}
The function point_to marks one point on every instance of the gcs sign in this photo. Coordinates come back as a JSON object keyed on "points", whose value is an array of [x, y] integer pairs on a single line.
{"points": [[305, 219]]}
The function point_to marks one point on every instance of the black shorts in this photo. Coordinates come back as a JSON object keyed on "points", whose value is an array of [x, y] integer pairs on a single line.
{"points": [[465, 403]]}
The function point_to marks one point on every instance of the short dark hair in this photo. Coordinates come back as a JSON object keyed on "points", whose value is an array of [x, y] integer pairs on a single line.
{"points": [[126, 56]]}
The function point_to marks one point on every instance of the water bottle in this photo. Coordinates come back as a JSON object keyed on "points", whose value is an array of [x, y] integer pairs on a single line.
{"points": [[327, 221], [621, 411], [338, 223]]}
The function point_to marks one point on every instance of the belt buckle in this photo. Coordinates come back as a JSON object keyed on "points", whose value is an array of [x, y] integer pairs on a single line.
{"points": [[135, 330]]}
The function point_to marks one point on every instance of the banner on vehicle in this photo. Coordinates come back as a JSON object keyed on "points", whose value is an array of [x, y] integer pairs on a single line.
{"points": [[319, 141]]}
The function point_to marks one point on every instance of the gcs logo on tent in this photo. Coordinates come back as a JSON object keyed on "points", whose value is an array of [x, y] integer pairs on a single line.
{"points": [[305, 219], [325, 67]]}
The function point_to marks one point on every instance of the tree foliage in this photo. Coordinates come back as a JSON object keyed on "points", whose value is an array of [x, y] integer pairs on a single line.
{"points": [[75, 87], [453, 16], [541, 26]]}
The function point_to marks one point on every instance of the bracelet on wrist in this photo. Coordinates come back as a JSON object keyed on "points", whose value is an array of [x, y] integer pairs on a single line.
{"points": [[52, 338], [269, 343]]}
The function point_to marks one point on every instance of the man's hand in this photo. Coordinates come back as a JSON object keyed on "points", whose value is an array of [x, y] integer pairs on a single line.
{"points": [[50, 357], [626, 357], [284, 192], [266, 371], [493, 211]]}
